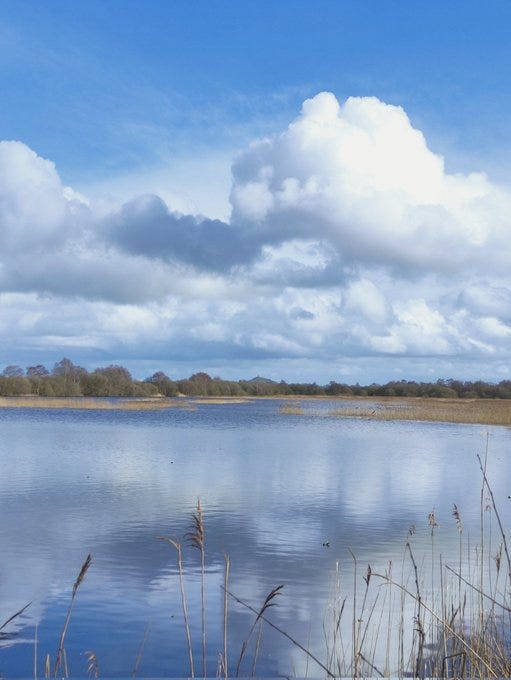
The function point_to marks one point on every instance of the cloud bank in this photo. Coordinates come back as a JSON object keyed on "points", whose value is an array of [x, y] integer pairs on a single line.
{"points": [[347, 241]]}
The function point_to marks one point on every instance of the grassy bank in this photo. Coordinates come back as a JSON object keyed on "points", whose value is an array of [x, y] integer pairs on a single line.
{"points": [[108, 404], [476, 411], [92, 403]]}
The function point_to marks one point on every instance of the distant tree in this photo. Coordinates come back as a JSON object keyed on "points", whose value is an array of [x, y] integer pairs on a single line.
{"points": [[163, 384], [144, 389], [186, 387], [66, 378], [66, 368], [38, 371], [200, 382], [96, 385], [337, 389], [119, 380], [14, 386], [13, 371], [38, 376]]}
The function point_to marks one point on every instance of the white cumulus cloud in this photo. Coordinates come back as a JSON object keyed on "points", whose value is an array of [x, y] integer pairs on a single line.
{"points": [[347, 240]]}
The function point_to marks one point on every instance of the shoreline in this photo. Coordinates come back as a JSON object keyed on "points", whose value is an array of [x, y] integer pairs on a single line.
{"points": [[469, 411]]}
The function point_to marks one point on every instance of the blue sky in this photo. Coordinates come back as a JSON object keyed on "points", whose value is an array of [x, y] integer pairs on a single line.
{"points": [[168, 200]]}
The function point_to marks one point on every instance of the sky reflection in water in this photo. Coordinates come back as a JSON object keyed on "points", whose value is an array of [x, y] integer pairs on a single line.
{"points": [[274, 488]]}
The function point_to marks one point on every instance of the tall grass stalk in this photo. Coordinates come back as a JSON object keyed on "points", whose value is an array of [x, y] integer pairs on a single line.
{"points": [[268, 602], [35, 651], [139, 653], [284, 633], [177, 546], [14, 616], [60, 651], [486, 664], [196, 537], [226, 605]]}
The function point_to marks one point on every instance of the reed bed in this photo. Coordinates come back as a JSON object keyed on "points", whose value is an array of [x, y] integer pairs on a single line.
{"points": [[95, 403], [417, 616], [223, 400], [475, 411]]}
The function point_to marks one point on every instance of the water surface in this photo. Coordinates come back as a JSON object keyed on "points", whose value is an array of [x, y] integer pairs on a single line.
{"points": [[274, 489]]}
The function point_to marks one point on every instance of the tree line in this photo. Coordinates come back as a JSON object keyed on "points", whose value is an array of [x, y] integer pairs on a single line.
{"points": [[66, 379]]}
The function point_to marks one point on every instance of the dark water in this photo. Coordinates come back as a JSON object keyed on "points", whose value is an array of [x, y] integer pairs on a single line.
{"points": [[274, 488]]}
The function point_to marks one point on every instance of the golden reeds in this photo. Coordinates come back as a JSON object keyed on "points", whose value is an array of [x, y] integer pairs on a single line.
{"points": [[476, 411], [94, 403], [196, 538], [60, 651]]}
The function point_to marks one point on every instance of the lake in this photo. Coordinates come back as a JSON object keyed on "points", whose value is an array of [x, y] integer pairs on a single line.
{"points": [[286, 497]]}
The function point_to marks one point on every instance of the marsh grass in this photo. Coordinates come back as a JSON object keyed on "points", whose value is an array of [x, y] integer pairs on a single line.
{"points": [[475, 411], [95, 403], [223, 400], [292, 409]]}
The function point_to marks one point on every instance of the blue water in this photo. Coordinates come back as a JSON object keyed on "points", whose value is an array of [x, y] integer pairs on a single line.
{"points": [[274, 488]]}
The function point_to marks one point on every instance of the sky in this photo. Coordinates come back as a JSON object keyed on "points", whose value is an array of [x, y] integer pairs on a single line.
{"points": [[307, 191]]}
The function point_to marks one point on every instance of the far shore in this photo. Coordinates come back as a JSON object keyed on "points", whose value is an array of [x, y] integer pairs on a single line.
{"points": [[470, 411]]}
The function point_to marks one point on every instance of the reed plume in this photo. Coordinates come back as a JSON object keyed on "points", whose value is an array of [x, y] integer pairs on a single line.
{"points": [[268, 602], [196, 538], [77, 583]]}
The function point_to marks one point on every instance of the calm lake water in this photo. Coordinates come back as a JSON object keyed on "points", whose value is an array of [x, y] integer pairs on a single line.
{"points": [[274, 488]]}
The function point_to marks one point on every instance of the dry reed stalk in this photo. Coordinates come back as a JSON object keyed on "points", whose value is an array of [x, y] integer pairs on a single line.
{"points": [[418, 620], [468, 647], [497, 515], [15, 616], [139, 653], [257, 648], [177, 546], [47, 666], [64, 662], [389, 625], [354, 657], [494, 601], [35, 651], [335, 651], [282, 632], [226, 585], [78, 582], [358, 638], [196, 538], [268, 602]]}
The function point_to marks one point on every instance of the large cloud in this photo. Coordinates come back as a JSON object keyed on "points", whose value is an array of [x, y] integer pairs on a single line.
{"points": [[347, 238], [360, 176], [36, 210], [146, 226]]}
